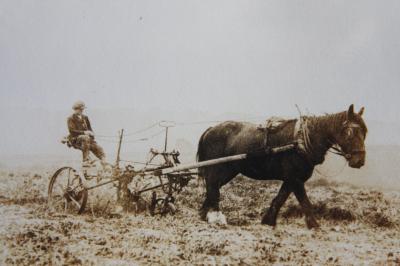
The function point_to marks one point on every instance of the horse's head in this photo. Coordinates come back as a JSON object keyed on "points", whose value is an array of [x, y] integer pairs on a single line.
{"points": [[351, 137]]}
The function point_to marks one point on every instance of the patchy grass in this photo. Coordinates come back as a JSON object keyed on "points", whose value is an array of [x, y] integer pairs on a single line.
{"points": [[350, 218], [321, 211]]}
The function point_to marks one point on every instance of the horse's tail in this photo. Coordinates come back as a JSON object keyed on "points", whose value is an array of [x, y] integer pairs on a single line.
{"points": [[201, 155]]}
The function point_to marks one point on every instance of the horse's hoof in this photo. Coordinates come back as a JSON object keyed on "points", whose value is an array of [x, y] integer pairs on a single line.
{"points": [[268, 221], [311, 223], [216, 217], [203, 215]]}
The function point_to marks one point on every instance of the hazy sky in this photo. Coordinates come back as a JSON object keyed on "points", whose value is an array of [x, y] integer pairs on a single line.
{"points": [[251, 57], [219, 56]]}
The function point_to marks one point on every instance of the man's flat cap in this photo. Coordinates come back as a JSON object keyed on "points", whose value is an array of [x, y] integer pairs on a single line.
{"points": [[78, 105]]}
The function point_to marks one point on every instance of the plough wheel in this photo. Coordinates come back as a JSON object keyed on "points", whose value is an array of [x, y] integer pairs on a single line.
{"points": [[162, 206], [66, 191]]}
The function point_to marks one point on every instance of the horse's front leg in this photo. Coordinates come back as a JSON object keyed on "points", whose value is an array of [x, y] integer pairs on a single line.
{"points": [[270, 217], [301, 195]]}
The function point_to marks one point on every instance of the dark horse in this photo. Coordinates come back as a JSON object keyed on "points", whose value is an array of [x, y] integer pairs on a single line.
{"points": [[345, 130]]}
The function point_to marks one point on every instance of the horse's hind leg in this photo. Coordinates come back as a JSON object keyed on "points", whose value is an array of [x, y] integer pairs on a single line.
{"points": [[215, 178], [301, 195], [211, 202]]}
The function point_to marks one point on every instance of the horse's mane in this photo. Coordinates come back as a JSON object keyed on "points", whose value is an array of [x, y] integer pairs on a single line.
{"points": [[334, 122]]}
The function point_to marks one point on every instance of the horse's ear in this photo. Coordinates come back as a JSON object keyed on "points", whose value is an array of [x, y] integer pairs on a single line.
{"points": [[350, 112], [361, 112]]}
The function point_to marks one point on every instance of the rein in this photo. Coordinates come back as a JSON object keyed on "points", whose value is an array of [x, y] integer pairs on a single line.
{"points": [[340, 152]]}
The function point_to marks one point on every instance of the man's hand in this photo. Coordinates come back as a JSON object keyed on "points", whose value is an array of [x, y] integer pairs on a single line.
{"points": [[89, 133]]}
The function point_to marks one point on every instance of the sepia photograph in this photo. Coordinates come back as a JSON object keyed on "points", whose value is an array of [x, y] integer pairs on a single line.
{"points": [[188, 132]]}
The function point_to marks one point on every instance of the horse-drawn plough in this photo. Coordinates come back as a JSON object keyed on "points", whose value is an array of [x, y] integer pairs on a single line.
{"points": [[68, 188]]}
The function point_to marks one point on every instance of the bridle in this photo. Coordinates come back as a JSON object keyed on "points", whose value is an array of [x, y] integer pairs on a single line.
{"points": [[338, 150]]}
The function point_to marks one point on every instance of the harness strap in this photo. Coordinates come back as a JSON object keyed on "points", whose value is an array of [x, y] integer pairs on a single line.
{"points": [[298, 136]]}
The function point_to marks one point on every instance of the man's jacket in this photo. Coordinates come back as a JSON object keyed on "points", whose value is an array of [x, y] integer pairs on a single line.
{"points": [[77, 125]]}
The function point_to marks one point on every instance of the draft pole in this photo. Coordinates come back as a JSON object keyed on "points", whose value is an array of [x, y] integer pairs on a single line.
{"points": [[117, 161]]}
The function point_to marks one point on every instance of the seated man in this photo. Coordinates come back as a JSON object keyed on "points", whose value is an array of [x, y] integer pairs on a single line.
{"points": [[82, 136]]}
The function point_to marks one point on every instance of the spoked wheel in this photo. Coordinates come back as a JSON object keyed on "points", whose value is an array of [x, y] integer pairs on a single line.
{"points": [[66, 191]]}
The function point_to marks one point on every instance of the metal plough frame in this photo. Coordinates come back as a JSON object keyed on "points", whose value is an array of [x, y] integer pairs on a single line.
{"points": [[177, 176]]}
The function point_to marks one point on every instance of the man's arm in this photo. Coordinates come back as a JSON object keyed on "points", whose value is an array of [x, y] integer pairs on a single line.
{"points": [[89, 126], [89, 130]]}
